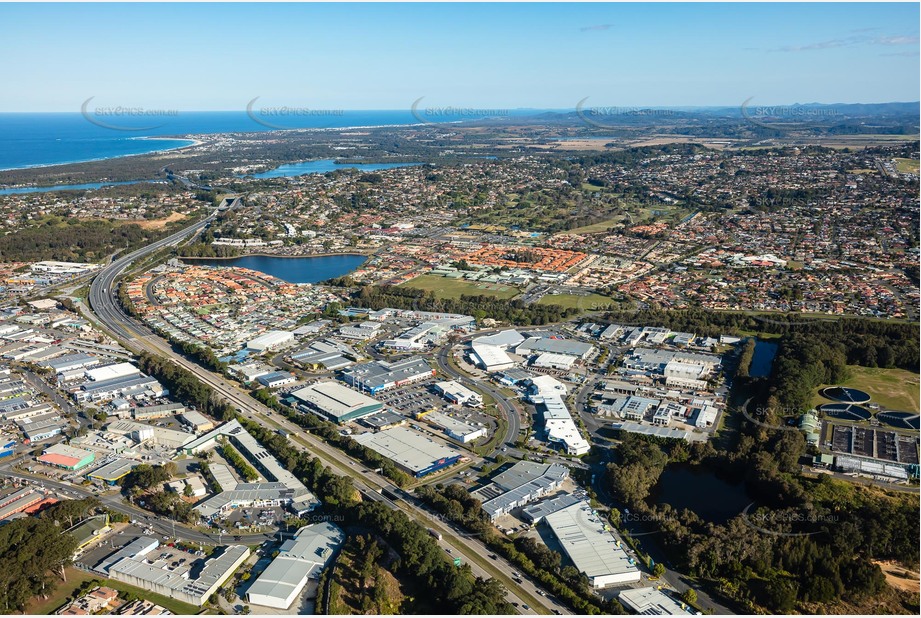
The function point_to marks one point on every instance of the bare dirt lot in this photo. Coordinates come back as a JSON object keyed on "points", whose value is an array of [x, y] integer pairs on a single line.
{"points": [[895, 577], [156, 224]]}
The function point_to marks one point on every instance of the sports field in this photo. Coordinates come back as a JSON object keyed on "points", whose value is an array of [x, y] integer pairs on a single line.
{"points": [[601, 226], [907, 166], [893, 389], [455, 288]]}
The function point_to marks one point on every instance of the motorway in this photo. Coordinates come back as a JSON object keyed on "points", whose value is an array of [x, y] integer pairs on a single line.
{"points": [[136, 337], [102, 290]]}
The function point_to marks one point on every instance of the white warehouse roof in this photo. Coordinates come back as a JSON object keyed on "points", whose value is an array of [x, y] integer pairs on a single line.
{"points": [[298, 560], [594, 550]]}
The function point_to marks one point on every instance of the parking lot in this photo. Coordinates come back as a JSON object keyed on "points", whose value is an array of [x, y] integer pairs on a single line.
{"points": [[413, 399], [253, 519]]}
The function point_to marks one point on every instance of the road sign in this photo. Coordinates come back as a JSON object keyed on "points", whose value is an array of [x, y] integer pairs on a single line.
{"points": [[457, 562]]}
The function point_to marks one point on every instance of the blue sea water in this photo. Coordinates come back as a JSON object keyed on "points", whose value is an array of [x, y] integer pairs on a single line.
{"points": [[30, 140]]}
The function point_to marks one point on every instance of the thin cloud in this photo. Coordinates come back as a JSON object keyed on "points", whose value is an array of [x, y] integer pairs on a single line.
{"points": [[904, 54], [895, 40], [851, 41], [598, 27]]}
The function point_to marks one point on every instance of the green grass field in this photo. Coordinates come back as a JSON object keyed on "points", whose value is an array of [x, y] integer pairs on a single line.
{"points": [[596, 227], [75, 577], [895, 389], [591, 302], [907, 166], [455, 288]]}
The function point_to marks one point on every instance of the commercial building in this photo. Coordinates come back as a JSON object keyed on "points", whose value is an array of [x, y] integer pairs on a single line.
{"points": [[7, 446], [276, 379], [706, 416], [158, 411], [595, 551], [110, 372], [271, 340], [89, 530], [244, 496], [489, 357], [650, 430], [656, 361], [521, 484], [127, 387], [174, 573], [559, 426], [67, 457], [284, 488], [411, 451], [649, 601], [113, 471], [567, 347], [70, 362], [196, 420], [325, 359], [456, 429], [535, 513], [457, 393], [552, 360], [18, 501], [41, 427], [383, 420], [139, 432], [336, 402], [505, 339], [299, 559], [379, 376], [361, 331]]}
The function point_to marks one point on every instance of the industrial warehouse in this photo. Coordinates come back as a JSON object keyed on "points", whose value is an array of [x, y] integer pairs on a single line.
{"points": [[382, 375], [410, 450], [172, 572], [524, 482], [584, 537], [336, 402], [299, 559], [282, 488]]}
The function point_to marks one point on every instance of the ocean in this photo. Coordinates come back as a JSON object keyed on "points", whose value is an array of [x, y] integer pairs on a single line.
{"points": [[32, 140]]}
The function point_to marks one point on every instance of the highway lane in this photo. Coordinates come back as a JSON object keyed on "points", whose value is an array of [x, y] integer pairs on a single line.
{"points": [[102, 290], [137, 338]]}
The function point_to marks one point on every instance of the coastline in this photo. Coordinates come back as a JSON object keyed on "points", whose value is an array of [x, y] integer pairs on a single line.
{"points": [[197, 142], [194, 143]]}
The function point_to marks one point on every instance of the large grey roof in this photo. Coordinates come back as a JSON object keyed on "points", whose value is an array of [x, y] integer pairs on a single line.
{"points": [[408, 448], [299, 558]]}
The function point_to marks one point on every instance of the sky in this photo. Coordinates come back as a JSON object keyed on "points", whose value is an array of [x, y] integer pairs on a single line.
{"points": [[206, 57]]}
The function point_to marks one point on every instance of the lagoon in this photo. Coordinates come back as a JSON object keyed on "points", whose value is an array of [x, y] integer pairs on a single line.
{"points": [[762, 359], [81, 187], [701, 491], [323, 166], [309, 269]]}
